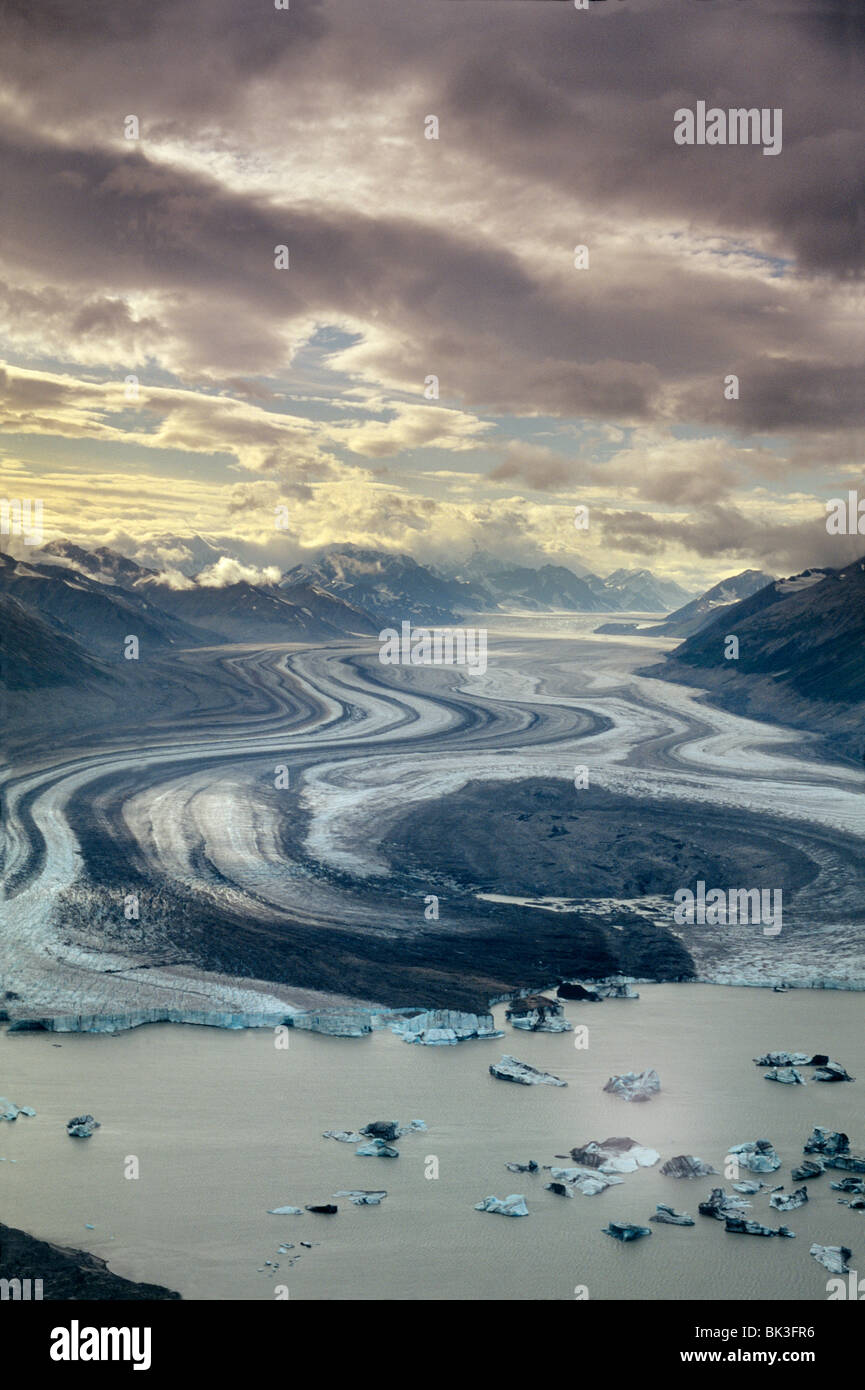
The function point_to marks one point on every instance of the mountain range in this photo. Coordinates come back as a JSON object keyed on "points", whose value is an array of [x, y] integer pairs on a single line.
{"points": [[389, 587], [192, 612], [98, 613], [640, 591], [392, 587], [700, 611], [800, 652], [66, 609]]}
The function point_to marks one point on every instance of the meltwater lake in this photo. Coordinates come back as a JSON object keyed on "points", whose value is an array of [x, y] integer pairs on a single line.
{"points": [[225, 1125]]}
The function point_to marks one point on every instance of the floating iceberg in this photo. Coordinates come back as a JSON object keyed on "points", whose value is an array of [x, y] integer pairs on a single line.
{"points": [[509, 1069], [10, 1111], [834, 1257], [537, 1014], [738, 1226], [634, 1085], [515, 1205], [666, 1216], [445, 1027], [623, 1230], [826, 1141], [758, 1156], [687, 1166], [363, 1198], [789, 1201]]}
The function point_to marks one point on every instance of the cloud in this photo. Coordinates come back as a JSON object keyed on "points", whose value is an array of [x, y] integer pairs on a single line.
{"points": [[189, 266], [412, 427], [166, 418], [539, 467], [725, 534], [451, 257], [227, 571]]}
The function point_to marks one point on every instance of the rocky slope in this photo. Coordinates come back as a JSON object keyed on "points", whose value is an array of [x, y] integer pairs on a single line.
{"points": [[35, 654], [100, 597], [800, 655], [97, 614], [703, 610], [244, 612], [67, 1273]]}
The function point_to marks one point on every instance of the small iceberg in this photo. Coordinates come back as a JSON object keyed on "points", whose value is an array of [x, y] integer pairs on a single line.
{"points": [[635, 1086], [688, 1166], [789, 1201], [81, 1126], [625, 1231], [826, 1141], [738, 1226], [362, 1198], [377, 1148], [666, 1216], [445, 1027], [535, 1013], [758, 1156], [515, 1205], [833, 1257], [10, 1111], [509, 1069]]}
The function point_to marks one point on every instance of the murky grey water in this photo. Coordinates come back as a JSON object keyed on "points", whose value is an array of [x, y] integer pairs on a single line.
{"points": [[225, 1125]]}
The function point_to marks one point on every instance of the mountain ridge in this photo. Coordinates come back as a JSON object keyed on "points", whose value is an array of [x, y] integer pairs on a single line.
{"points": [[800, 643]]}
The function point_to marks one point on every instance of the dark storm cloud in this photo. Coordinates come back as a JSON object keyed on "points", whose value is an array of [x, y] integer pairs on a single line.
{"points": [[538, 466], [578, 100], [726, 533], [182, 56], [555, 123], [786, 395], [123, 221], [586, 101], [596, 114], [120, 219]]}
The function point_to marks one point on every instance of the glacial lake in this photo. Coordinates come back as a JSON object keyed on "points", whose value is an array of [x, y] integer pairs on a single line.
{"points": [[225, 1125]]}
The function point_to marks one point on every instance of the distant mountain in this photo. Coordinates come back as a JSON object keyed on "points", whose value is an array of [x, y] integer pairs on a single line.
{"points": [[482, 564], [801, 652], [35, 654], [265, 613], [102, 596], [497, 585], [570, 588], [97, 613], [551, 588], [700, 611], [199, 612], [102, 564], [640, 591], [189, 554], [391, 588], [186, 555]]}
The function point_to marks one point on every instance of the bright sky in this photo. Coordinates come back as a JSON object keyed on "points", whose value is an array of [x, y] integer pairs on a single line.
{"points": [[410, 258]]}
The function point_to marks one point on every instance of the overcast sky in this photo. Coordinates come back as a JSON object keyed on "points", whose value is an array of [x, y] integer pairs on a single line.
{"points": [[411, 257]]}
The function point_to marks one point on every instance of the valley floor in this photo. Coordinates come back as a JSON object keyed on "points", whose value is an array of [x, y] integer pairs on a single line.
{"points": [[254, 897]]}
